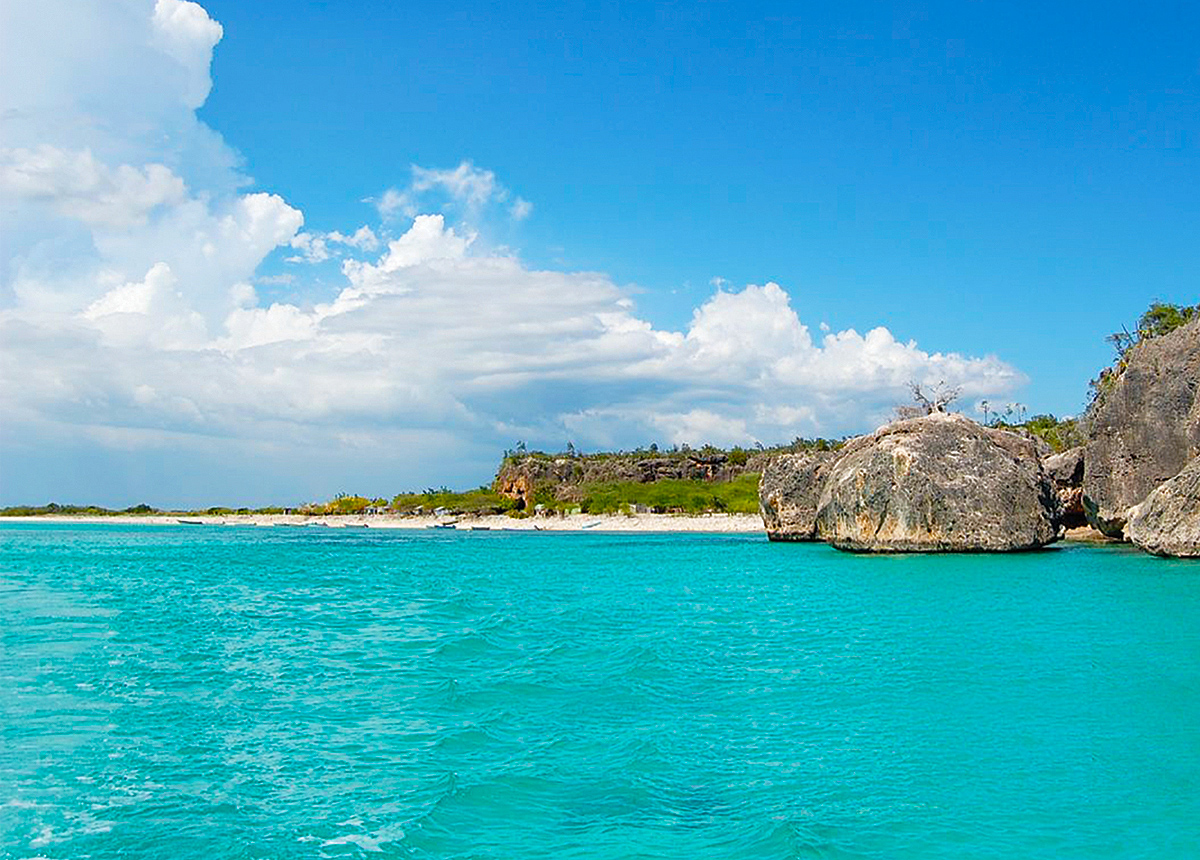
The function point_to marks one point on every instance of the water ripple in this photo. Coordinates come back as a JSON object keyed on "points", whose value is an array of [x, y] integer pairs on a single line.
{"points": [[287, 693]]}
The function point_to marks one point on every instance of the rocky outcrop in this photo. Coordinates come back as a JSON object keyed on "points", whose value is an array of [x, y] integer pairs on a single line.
{"points": [[788, 492], [1066, 471], [1144, 426], [1065, 468], [518, 481], [520, 477], [934, 484], [1168, 521]]}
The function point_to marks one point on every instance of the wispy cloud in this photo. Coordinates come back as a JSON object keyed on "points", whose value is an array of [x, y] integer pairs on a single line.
{"points": [[467, 190]]}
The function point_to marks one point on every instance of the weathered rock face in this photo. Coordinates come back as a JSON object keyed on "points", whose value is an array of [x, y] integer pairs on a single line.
{"points": [[788, 492], [519, 478], [1168, 521], [1144, 428], [1065, 468], [518, 481], [1066, 471], [934, 484]]}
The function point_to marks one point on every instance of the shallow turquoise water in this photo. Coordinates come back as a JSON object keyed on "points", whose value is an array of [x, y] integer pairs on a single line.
{"points": [[191, 692]]}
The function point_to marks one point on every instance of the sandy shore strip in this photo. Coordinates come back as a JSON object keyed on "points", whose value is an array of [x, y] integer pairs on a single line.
{"points": [[743, 523]]}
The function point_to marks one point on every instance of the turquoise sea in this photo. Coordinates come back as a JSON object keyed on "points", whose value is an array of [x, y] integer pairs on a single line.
{"points": [[205, 692]]}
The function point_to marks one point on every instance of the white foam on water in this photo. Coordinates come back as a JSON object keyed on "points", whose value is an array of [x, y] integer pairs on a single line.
{"points": [[366, 843], [18, 803], [44, 838]]}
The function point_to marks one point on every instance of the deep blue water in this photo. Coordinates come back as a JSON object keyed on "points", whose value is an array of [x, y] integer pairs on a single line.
{"points": [[204, 692]]}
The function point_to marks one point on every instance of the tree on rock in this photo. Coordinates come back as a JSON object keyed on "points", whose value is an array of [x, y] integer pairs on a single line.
{"points": [[940, 396]]}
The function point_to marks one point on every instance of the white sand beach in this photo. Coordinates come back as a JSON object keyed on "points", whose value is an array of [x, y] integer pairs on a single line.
{"points": [[748, 523]]}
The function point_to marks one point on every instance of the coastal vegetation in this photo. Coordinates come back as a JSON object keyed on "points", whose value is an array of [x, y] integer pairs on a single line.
{"points": [[1059, 434], [1158, 320], [671, 495], [736, 456], [482, 500]]}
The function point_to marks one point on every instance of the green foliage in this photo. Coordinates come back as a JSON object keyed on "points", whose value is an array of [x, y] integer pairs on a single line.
{"points": [[670, 496], [481, 500], [54, 508], [1161, 318], [1059, 435], [738, 456], [1157, 320], [345, 504]]}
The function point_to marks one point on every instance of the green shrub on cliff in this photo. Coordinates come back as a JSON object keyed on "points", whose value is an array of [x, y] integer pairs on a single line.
{"points": [[1159, 319], [1059, 435]]}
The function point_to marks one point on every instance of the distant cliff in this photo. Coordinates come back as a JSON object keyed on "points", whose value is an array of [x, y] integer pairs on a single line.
{"points": [[564, 479]]}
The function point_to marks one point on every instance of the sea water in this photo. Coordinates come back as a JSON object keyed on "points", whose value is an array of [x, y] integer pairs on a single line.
{"points": [[204, 692]]}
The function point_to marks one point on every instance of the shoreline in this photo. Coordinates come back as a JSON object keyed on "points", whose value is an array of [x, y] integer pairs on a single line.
{"points": [[714, 523], [717, 523]]}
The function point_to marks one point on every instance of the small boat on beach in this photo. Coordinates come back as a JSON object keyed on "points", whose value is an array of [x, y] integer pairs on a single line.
{"points": [[190, 522]]}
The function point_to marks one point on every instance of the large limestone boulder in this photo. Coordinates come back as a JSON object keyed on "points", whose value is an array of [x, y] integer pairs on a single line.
{"points": [[1168, 521], [788, 492], [1066, 471], [937, 483], [1143, 428]]}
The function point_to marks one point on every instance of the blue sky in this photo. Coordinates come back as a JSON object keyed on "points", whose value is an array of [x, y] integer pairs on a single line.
{"points": [[1002, 185], [962, 172]]}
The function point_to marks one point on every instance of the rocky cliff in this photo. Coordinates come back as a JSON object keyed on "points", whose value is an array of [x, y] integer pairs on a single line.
{"points": [[1168, 521], [1144, 426], [788, 492], [1066, 471], [521, 477]]}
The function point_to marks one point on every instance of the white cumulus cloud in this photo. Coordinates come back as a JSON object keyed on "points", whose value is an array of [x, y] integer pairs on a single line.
{"points": [[184, 31]]}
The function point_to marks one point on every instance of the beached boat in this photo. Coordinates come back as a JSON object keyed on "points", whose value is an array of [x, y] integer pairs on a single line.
{"points": [[183, 522]]}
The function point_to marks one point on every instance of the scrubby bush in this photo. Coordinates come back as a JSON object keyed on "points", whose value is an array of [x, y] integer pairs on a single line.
{"points": [[671, 496], [482, 500], [1059, 435], [1157, 320]]}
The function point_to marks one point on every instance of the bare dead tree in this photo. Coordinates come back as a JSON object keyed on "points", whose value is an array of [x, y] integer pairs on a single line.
{"points": [[939, 397]]}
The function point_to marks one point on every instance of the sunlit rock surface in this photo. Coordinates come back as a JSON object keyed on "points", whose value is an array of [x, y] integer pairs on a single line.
{"points": [[1144, 427], [941, 483]]}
